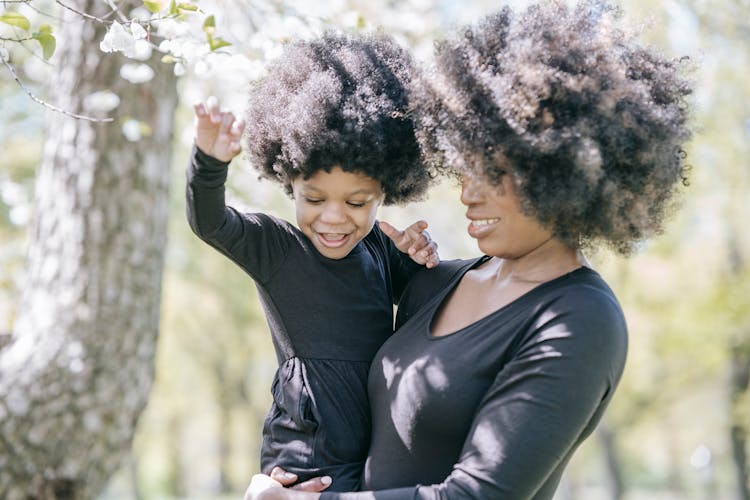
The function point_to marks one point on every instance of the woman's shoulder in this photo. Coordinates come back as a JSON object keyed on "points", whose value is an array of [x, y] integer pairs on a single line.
{"points": [[583, 303], [584, 290], [435, 279]]}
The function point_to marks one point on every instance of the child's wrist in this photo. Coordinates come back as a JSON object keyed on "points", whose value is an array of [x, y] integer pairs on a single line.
{"points": [[207, 159]]}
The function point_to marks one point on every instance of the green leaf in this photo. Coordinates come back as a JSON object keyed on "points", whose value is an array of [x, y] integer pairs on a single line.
{"points": [[173, 8], [15, 19], [209, 25], [47, 41], [217, 43], [187, 6], [152, 5]]}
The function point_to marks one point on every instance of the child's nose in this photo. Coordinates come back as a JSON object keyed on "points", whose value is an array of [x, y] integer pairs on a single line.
{"points": [[333, 213]]}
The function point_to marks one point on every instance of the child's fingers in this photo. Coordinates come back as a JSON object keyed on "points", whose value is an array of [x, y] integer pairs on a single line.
{"points": [[417, 235], [419, 241], [227, 119], [390, 231], [237, 128], [416, 229], [431, 256], [212, 103], [315, 484], [200, 109], [425, 255]]}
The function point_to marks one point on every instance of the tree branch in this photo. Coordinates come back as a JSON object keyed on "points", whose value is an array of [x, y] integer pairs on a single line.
{"points": [[48, 105], [84, 14]]}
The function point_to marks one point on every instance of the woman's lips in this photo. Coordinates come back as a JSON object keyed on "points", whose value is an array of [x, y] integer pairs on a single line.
{"points": [[480, 227]]}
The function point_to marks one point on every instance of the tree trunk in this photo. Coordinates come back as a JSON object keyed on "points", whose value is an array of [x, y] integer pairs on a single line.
{"points": [[615, 483], [739, 390], [79, 366], [740, 397]]}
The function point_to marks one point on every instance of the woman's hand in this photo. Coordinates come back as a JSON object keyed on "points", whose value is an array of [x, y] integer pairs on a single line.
{"points": [[263, 487], [217, 133], [415, 241]]}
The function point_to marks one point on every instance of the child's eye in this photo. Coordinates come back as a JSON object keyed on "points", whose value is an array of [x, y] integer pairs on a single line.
{"points": [[356, 204], [313, 201]]}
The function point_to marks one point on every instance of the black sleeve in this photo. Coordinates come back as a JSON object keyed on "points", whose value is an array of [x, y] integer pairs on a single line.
{"points": [[256, 242], [540, 406]]}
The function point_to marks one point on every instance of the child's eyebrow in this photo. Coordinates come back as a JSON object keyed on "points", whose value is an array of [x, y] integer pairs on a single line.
{"points": [[364, 191]]}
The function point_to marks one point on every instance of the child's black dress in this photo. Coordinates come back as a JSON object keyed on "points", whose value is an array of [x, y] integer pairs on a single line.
{"points": [[327, 318]]}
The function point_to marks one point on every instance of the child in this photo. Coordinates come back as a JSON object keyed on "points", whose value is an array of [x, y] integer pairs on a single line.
{"points": [[329, 124]]}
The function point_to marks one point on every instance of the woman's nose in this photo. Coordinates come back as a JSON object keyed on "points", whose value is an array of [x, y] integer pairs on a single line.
{"points": [[471, 190]]}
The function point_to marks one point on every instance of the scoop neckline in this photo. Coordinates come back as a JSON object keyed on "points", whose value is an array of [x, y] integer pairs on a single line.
{"points": [[511, 305]]}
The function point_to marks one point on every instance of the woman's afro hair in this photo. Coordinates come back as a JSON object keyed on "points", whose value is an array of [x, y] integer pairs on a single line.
{"points": [[340, 100], [589, 123]]}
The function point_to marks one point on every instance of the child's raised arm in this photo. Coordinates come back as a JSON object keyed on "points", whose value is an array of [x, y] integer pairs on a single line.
{"points": [[415, 241], [217, 133]]}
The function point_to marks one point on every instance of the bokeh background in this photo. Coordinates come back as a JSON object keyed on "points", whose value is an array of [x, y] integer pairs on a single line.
{"points": [[678, 426]]}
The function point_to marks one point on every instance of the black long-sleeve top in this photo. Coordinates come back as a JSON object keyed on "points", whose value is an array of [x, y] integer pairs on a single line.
{"points": [[327, 318], [495, 409]]}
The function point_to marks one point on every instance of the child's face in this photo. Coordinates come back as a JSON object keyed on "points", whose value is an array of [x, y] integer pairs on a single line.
{"points": [[336, 209]]}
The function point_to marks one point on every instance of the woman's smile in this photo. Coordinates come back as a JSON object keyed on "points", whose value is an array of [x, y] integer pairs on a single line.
{"points": [[480, 227]]}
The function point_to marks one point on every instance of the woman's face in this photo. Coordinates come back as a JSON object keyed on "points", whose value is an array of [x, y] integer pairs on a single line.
{"points": [[497, 223]]}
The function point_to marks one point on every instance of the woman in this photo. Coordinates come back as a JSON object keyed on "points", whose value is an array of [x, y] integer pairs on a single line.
{"points": [[566, 134]]}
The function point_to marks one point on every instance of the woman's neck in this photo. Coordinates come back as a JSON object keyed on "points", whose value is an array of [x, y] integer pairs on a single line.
{"points": [[548, 261]]}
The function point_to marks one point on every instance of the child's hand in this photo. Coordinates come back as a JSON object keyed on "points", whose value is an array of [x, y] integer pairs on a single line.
{"points": [[217, 133], [415, 241]]}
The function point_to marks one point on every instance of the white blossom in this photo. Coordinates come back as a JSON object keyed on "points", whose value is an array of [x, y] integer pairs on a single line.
{"points": [[179, 69], [131, 129], [170, 28], [136, 73], [137, 31], [201, 68], [131, 42], [142, 50], [20, 215], [117, 39], [103, 100], [4, 56]]}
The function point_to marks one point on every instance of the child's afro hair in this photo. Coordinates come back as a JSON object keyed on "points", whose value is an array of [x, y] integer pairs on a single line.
{"points": [[589, 123], [340, 100]]}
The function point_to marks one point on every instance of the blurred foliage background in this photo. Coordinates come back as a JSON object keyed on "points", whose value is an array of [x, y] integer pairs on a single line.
{"points": [[677, 428]]}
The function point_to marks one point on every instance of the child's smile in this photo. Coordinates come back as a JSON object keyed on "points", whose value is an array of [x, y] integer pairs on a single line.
{"points": [[336, 209]]}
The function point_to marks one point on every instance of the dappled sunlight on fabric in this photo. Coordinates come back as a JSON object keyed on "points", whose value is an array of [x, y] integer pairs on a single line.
{"points": [[422, 376]]}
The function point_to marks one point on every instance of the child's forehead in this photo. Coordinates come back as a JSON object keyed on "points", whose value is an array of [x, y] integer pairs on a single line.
{"points": [[337, 179]]}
